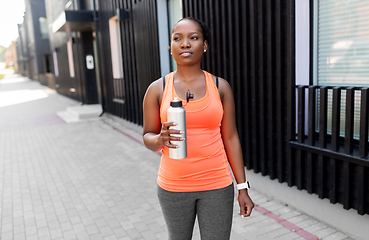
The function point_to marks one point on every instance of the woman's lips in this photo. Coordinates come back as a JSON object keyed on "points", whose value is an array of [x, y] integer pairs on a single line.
{"points": [[185, 54]]}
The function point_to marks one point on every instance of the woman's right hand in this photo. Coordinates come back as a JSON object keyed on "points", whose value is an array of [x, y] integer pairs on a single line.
{"points": [[168, 134]]}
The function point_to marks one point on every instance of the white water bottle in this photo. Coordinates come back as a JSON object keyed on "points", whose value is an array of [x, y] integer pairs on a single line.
{"points": [[176, 113]]}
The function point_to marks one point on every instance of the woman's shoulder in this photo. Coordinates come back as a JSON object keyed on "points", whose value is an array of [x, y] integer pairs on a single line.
{"points": [[158, 84], [217, 80], [154, 89], [222, 85]]}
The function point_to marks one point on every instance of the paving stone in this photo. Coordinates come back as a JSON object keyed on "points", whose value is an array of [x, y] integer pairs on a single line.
{"points": [[134, 234], [275, 233], [112, 237], [56, 233], [119, 233], [18, 237], [317, 227], [7, 235], [288, 236], [86, 180], [336, 236], [325, 232]]}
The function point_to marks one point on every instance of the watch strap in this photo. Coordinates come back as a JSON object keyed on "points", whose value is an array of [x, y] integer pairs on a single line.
{"points": [[245, 185]]}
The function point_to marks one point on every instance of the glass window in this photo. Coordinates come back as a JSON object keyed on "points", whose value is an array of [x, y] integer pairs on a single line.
{"points": [[341, 49], [117, 60], [43, 28], [116, 47], [70, 59], [56, 68]]}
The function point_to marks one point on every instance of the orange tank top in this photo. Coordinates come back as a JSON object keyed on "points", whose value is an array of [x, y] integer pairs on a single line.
{"points": [[206, 166]]}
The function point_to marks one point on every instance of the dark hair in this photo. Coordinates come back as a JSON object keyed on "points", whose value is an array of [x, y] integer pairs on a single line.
{"points": [[204, 28]]}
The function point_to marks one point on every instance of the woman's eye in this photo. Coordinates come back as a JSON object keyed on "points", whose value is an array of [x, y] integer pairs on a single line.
{"points": [[176, 39], [195, 38]]}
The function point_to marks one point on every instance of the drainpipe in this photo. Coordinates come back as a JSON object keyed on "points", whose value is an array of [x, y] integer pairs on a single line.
{"points": [[101, 85]]}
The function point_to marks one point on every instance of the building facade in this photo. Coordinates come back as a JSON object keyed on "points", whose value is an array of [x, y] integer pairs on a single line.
{"points": [[71, 28], [33, 43]]}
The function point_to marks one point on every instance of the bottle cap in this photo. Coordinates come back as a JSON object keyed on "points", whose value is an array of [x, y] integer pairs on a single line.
{"points": [[176, 103]]}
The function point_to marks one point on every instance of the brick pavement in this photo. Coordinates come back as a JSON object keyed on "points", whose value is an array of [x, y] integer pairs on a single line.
{"points": [[87, 180]]}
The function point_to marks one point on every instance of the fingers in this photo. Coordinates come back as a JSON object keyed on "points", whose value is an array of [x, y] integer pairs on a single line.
{"points": [[248, 210], [243, 211], [246, 206], [169, 134]]}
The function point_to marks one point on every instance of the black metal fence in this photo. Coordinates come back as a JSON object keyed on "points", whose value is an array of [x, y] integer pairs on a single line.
{"points": [[140, 54], [328, 161]]}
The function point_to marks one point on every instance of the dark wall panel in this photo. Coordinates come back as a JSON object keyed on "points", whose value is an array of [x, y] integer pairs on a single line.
{"points": [[252, 47]]}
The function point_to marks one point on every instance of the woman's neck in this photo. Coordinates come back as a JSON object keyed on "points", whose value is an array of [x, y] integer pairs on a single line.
{"points": [[188, 73]]}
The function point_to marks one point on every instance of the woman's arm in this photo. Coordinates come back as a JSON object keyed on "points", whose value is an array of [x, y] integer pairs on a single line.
{"points": [[233, 146], [155, 136]]}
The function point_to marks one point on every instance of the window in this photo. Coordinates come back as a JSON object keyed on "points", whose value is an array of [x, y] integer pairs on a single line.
{"points": [[70, 58], [341, 49], [56, 68], [117, 60], [43, 28], [116, 47]]}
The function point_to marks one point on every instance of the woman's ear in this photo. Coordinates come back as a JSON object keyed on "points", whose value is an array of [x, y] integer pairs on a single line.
{"points": [[205, 46]]}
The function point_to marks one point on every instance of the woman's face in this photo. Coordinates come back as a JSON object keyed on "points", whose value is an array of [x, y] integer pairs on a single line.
{"points": [[187, 43]]}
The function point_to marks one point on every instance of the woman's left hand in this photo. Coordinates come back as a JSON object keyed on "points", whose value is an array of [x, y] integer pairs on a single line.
{"points": [[245, 202]]}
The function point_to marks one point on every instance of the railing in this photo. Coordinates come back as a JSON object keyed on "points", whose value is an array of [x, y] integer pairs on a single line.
{"points": [[338, 158]]}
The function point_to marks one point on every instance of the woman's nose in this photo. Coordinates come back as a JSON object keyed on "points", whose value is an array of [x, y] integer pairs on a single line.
{"points": [[185, 44]]}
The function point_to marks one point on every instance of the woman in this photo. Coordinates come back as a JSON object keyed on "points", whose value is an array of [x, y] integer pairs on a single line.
{"points": [[201, 184]]}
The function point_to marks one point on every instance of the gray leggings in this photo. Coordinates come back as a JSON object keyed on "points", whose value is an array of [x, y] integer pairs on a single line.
{"points": [[214, 210]]}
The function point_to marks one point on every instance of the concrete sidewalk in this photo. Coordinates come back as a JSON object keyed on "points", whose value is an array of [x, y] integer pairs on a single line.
{"points": [[93, 179]]}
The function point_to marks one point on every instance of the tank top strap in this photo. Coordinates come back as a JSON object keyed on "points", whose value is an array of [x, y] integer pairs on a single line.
{"points": [[167, 93], [211, 86]]}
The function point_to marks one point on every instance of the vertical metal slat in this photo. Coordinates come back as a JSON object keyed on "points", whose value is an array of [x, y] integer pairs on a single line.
{"points": [[362, 176], [336, 110], [261, 88], [246, 96], [271, 93], [279, 89], [323, 117], [364, 108], [301, 114], [349, 119], [347, 185], [311, 115]]}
